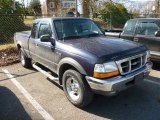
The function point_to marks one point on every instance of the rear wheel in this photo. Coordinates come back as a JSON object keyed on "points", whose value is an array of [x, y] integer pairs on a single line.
{"points": [[76, 88], [26, 62]]}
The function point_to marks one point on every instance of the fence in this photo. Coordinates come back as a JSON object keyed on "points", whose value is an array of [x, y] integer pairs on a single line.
{"points": [[9, 24]]}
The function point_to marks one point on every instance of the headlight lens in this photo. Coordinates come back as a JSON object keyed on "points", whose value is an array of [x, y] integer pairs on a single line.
{"points": [[105, 70]]}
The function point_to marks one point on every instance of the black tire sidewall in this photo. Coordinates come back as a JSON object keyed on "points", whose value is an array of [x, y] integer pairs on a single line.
{"points": [[27, 61]]}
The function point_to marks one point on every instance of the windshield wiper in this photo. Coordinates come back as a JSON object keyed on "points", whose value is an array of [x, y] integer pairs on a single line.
{"points": [[71, 37], [94, 35]]}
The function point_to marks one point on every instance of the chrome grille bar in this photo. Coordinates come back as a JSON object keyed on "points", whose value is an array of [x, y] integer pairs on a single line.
{"points": [[131, 64]]}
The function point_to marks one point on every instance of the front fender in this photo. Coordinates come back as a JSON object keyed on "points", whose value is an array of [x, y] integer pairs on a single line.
{"points": [[72, 62]]}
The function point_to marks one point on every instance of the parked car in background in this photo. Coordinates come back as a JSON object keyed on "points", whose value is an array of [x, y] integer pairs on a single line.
{"points": [[142, 30]]}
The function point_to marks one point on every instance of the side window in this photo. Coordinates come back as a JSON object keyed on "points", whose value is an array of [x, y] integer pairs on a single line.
{"points": [[59, 29], [44, 29], [147, 28], [34, 30], [152, 28], [142, 28], [129, 27]]}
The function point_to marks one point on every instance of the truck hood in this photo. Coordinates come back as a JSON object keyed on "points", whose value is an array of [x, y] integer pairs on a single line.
{"points": [[105, 47]]}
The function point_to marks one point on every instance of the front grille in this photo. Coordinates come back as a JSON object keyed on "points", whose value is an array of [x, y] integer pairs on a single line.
{"points": [[131, 64]]}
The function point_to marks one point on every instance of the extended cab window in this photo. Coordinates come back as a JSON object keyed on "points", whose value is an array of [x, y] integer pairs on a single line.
{"points": [[147, 28], [129, 27], [34, 30], [44, 29]]}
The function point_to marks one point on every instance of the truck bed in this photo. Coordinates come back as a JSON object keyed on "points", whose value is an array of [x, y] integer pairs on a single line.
{"points": [[112, 34], [24, 33], [22, 39]]}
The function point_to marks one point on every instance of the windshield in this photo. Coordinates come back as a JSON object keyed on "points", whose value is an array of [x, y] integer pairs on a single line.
{"points": [[76, 28]]}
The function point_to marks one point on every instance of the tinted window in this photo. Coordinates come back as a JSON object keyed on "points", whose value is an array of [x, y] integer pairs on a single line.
{"points": [[34, 30], [129, 27], [147, 28], [72, 27], [44, 29]]}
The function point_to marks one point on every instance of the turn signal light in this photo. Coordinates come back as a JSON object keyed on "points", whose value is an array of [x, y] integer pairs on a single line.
{"points": [[105, 75]]}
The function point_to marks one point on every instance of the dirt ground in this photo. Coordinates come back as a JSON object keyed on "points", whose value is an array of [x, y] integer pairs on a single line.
{"points": [[8, 56]]}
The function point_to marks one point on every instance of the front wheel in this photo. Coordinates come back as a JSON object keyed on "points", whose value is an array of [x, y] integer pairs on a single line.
{"points": [[76, 88], [26, 62]]}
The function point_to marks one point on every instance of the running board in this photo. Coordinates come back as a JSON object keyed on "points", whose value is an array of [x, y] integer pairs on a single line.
{"points": [[45, 73]]}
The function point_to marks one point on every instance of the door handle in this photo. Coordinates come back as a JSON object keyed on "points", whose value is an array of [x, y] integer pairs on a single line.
{"points": [[136, 39]]}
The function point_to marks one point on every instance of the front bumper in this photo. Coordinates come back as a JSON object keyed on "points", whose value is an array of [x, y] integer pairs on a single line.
{"points": [[116, 84]]}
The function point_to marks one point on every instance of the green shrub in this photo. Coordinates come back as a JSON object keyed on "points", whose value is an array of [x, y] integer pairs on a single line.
{"points": [[115, 14], [9, 24], [101, 23]]}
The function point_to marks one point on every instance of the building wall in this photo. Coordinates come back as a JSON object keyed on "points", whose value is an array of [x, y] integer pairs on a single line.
{"points": [[55, 8], [44, 8]]}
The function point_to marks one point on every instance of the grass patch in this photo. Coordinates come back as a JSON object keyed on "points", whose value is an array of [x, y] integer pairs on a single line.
{"points": [[29, 20], [5, 46]]}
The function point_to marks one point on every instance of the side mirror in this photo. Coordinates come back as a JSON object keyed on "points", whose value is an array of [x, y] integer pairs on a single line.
{"points": [[104, 32], [157, 33], [45, 38]]}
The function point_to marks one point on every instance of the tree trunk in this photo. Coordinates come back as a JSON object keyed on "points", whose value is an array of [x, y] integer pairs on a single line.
{"points": [[86, 4], [157, 4]]}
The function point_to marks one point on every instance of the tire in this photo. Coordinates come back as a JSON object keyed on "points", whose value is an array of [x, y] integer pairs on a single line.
{"points": [[25, 62], [76, 88]]}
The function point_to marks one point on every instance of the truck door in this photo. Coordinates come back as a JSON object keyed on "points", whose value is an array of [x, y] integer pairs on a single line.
{"points": [[32, 39], [145, 34], [45, 53], [129, 30]]}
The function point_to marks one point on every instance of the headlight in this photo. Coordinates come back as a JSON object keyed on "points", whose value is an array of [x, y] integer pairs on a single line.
{"points": [[105, 70], [148, 56]]}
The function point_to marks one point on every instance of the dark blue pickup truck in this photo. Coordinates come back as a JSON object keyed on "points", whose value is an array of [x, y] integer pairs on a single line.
{"points": [[83, 58]]}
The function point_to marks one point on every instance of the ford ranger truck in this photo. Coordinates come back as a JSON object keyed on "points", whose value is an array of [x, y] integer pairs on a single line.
{"points": [[83, 58]]}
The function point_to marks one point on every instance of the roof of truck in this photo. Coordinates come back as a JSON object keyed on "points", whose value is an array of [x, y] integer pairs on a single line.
{"points": [[147, 19], [59, 18]]}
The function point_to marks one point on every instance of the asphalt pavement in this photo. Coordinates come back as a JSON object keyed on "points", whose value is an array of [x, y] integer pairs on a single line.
{"points": [[27, 94]]}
